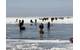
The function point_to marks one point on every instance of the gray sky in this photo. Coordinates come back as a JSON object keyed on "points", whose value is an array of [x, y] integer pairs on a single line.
{"points": [[39, 7]]}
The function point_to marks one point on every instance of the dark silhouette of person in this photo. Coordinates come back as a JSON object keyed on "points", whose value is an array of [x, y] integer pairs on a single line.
{"points": [[42, 19], [31, 22], [41, 26], [21, 23], [71, 40], [48, 26], [52, 19], [55, 18]]}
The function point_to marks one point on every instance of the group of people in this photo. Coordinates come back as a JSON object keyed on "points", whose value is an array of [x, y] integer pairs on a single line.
{"points": [[52, 19], [41, 26], [31, 21]]}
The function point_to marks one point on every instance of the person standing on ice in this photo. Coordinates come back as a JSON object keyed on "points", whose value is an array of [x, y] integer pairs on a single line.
{"points": [[41, 32], [21, 23], [31, 21], [48, 26]]}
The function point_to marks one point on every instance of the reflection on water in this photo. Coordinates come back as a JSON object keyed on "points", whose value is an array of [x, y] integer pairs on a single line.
{"points": [[57, 31]]}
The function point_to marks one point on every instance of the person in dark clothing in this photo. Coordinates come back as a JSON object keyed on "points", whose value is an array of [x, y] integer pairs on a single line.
{"points": [[31, 22], [48, 26], [19, 21], [42, 19], [52, 19], [21, 27], [55, 18], [71, 40], [41, 26], [22, 22]]}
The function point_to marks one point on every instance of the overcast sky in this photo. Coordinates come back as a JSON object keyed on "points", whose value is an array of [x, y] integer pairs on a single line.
{"points": [[39, 7]]}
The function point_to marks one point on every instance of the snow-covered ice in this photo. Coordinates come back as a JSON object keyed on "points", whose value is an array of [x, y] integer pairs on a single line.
{"points": [[18, 44]]}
